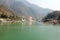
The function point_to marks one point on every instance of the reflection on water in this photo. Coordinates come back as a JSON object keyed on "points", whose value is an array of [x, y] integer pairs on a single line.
{"points": [[30, 23]]}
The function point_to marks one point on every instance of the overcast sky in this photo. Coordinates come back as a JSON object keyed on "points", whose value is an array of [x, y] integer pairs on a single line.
{"points": [[51, 4]]}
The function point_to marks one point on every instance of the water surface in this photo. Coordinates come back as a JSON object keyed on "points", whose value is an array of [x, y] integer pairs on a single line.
{"points": [[26, 31]]}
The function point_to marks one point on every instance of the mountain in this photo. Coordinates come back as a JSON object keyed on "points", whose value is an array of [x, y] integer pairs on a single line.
{"points": [[26, 9], [53, 17]]}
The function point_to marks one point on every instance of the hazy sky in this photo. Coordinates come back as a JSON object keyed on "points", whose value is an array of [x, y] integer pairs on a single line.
{"points": [[52, 4]]}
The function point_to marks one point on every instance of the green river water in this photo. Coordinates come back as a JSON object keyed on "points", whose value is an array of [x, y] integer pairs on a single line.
{"points": [[36, 31]]}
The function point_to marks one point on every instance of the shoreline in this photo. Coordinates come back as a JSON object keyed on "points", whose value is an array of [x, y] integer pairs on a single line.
{"points": [[9, 21]]}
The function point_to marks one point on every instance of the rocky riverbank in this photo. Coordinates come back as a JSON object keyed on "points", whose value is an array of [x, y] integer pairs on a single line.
{"points": [[9, 21]]}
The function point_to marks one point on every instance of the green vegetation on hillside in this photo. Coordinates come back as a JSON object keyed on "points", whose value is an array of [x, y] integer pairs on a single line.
{"points": [[53, 17]]}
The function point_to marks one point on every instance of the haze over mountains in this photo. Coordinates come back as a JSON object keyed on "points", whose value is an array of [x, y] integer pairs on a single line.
{"points": [[26, 9]]}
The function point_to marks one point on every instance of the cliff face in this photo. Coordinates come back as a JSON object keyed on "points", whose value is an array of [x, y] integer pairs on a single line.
{"points": [[5, 12], [53, 17]]}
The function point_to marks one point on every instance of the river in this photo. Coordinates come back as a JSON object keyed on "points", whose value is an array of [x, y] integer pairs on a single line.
{"points": [[29, 31]]}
